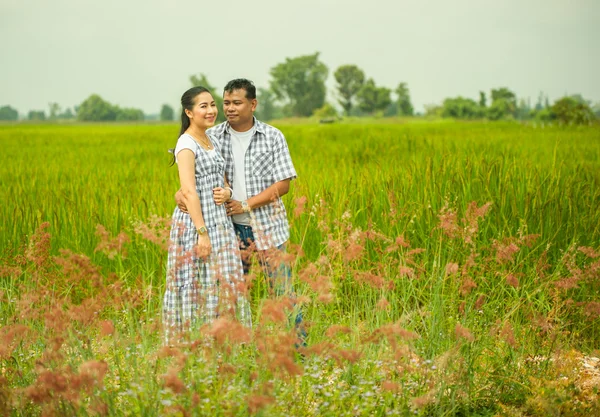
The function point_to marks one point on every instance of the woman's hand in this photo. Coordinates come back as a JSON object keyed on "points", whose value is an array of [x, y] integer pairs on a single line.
{"points": [[221, 195], [203, 248]]}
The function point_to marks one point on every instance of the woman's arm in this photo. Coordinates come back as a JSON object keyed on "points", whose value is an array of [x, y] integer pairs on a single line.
{"points": [[187, 179]]}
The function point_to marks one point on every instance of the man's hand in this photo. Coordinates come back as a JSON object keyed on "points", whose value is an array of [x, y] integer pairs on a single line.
{"points": [[221, 195], [234, 207], [180, 201]]}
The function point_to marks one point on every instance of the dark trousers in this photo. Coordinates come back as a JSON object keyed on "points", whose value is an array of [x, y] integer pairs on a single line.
{"points": [[279, 276]]}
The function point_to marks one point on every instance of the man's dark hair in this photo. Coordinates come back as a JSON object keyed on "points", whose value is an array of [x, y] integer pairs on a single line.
{"points": [[241, 84]]}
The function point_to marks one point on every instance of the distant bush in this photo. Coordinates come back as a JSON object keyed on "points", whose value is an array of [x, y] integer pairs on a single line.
{"points": [[569, 110], [8, 113]]}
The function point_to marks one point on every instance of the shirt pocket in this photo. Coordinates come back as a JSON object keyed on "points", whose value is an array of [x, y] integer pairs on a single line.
{"points": [[262, 165]]}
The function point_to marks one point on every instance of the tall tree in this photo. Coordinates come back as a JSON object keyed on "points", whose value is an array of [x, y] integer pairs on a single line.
{"points": [[54, 109], [8, 113], [504, 104], [300, 83], [350, 80], [201, 80], [372, 98], [482, 99], [405, 107], [166, 113], [267, 109]]}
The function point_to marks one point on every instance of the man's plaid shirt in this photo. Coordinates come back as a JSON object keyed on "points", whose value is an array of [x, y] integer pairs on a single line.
{"points": [[267, 161]]}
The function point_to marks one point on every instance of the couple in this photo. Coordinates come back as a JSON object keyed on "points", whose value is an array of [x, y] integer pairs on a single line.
{"points": [[232, 177]]}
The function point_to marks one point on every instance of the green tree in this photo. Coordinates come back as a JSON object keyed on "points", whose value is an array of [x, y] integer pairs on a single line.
{"points": [[539, 106], [596, 110], [350, 80], [327, 112], [201, 80], [95, 109], [372, 98], [300, 83], [167, 113], [67, 114], [54, 111], [267, 109], [129, 114], [8, 113], [504, 104], [462, 108], [482, 99], [572, 110], [38, 115], [405, 107], [523, 110]]}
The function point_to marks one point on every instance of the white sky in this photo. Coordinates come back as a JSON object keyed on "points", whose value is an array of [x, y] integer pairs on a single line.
{"points": [[140, 53]]}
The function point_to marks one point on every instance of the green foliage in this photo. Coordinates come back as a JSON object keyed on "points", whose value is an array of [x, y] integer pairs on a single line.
{"points": [[267, 109], [95, 109], [350, 80], [434, 110], [372, 98], [500, 109], [37, 115], [482, 99], [54, 111], [8, 113], [462, 108], [543, 115], [67, 114], [300, 83], [572, 110], [167, 113], [523, 111], [129, 114], [405, 107], [504, 104], [326, 112], [201, 80]]}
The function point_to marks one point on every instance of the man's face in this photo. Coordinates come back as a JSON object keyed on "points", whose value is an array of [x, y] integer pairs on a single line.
{"points": [[237, 108]]}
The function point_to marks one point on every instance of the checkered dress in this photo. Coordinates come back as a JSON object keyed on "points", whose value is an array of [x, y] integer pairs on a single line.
{"points": [[267, 161], [198, 292]]}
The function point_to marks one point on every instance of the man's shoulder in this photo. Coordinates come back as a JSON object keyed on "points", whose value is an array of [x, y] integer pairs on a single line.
{"points": [[217, 130], [268, 130]]}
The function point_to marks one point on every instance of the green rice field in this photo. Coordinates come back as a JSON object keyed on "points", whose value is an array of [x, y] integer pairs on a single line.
{"points": [[443, 269]]}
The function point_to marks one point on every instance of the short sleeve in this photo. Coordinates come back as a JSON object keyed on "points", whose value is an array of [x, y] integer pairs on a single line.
{"points": [[282, 163], [185, 142]]}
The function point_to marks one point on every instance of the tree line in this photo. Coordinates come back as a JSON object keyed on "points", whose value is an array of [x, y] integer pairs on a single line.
{"points": [[297, 89]]}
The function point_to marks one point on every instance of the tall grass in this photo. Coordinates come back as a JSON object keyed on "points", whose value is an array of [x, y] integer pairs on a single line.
{"points": [[443, 269]]}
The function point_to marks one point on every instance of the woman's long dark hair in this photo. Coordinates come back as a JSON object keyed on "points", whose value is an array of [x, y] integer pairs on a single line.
{"points": [[187, 102]]}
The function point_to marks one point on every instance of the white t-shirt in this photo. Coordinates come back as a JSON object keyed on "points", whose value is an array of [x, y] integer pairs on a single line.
{"points": [[185, 141], [240, 141]]}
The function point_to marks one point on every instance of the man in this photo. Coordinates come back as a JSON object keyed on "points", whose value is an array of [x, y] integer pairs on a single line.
{"points": [[259, 168]]}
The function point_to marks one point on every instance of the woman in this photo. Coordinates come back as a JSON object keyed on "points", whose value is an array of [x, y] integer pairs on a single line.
{"points": [[204, 269]]}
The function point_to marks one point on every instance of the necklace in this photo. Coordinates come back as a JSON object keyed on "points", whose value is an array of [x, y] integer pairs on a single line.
{"points": [[204, 142]]}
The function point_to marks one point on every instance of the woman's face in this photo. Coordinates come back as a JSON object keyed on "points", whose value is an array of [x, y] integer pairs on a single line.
{"points": [[204, 113]]}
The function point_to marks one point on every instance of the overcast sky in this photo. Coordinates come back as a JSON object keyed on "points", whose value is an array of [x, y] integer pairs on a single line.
{"points": [[140, 53]]}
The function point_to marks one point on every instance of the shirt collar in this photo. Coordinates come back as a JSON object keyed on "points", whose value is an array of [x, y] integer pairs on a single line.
{"points": [[257, 124]]}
